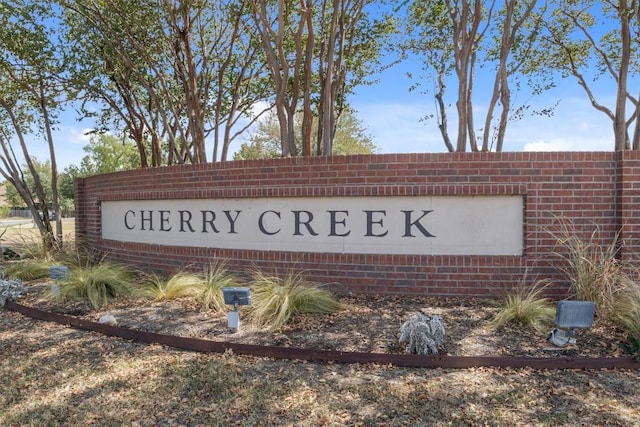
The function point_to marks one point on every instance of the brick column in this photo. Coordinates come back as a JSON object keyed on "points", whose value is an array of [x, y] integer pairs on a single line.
{"points": [[629, 203]]}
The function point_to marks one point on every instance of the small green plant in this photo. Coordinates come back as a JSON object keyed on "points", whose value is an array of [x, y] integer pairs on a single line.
{"points": [[27, 270], [96, 284], [216, 278], [181, 284], [275, 300], [525, 305]]}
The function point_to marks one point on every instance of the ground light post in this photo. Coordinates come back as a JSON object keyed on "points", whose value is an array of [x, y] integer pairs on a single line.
{"points": [[235, 297]]}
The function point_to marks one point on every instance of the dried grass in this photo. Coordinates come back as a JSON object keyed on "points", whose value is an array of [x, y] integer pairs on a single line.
{"points": [[592, 267], [276, 299], [97, 284], [216, 278], [180, 285], [526, 305]]}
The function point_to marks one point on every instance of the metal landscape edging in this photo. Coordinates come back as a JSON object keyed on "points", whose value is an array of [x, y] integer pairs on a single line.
{"points": [[317, 355]]}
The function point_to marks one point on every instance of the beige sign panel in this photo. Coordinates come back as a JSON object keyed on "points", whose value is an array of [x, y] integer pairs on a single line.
{"points": [[442, 225]]}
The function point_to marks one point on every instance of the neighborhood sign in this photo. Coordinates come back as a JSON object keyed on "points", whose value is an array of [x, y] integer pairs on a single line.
{"points": [[421, 225]]}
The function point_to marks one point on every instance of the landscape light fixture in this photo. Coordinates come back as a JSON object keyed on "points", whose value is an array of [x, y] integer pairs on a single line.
{"points": [[235, 297], [569, 316], [58, 273]]}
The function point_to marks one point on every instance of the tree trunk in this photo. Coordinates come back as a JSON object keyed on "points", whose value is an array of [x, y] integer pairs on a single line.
{"points": [[619, 121]]}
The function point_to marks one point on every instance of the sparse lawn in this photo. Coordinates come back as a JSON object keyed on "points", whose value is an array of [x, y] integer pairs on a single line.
{"points": [[55, 376], [21, 234]]}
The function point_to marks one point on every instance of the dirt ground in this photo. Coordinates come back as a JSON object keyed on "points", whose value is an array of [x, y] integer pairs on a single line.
{"points": [[366, 324], [55, 375]]}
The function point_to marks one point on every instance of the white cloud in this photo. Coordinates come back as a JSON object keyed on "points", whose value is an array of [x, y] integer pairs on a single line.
{"points": [[259, 107], [570, 143], [75, 135], [557, 145], [397, 127]]}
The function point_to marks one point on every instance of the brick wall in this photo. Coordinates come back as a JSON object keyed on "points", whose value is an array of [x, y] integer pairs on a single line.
{"points": [[587, 188]]}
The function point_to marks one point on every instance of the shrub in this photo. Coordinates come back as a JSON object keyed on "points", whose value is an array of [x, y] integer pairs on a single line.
{"points": [[424, 334], [525, 305], [181, 284], [96, 284], [275, 300], [11, 290], [216, 278]]}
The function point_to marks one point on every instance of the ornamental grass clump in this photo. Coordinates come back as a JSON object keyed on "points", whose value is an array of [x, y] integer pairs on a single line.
{"points": [[216, 278], [180, 285], [525, 305], [276, 300], [27, 270], [625, 312], [97, 284], [592, 267]]}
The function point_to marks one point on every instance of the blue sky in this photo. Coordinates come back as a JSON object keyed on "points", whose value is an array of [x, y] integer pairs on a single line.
{"points": [[392, 116]]}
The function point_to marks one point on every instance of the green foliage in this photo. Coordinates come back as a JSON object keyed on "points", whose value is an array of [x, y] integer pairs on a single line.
{"points": [[32, 94], [5, 211], [526, 306], [216, 278], [96, 284], [264, 142], [105, 153], [43, 169], [66, 182], [351, 138], [108, 153], [27, 270], [275, 300], [181, 284]]}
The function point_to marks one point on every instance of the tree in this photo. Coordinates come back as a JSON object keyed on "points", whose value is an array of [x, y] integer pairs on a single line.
{"points": [[575, 45], [349, 46], [317, 52], [451, 36], [107, 153], [171, 71], [264, 142], [350, 137], [30, 94], [287, 37], [43, 172]]}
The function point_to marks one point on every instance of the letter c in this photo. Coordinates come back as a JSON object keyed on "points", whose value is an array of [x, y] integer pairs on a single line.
{"points": [[261, 224], [126, 221]]}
